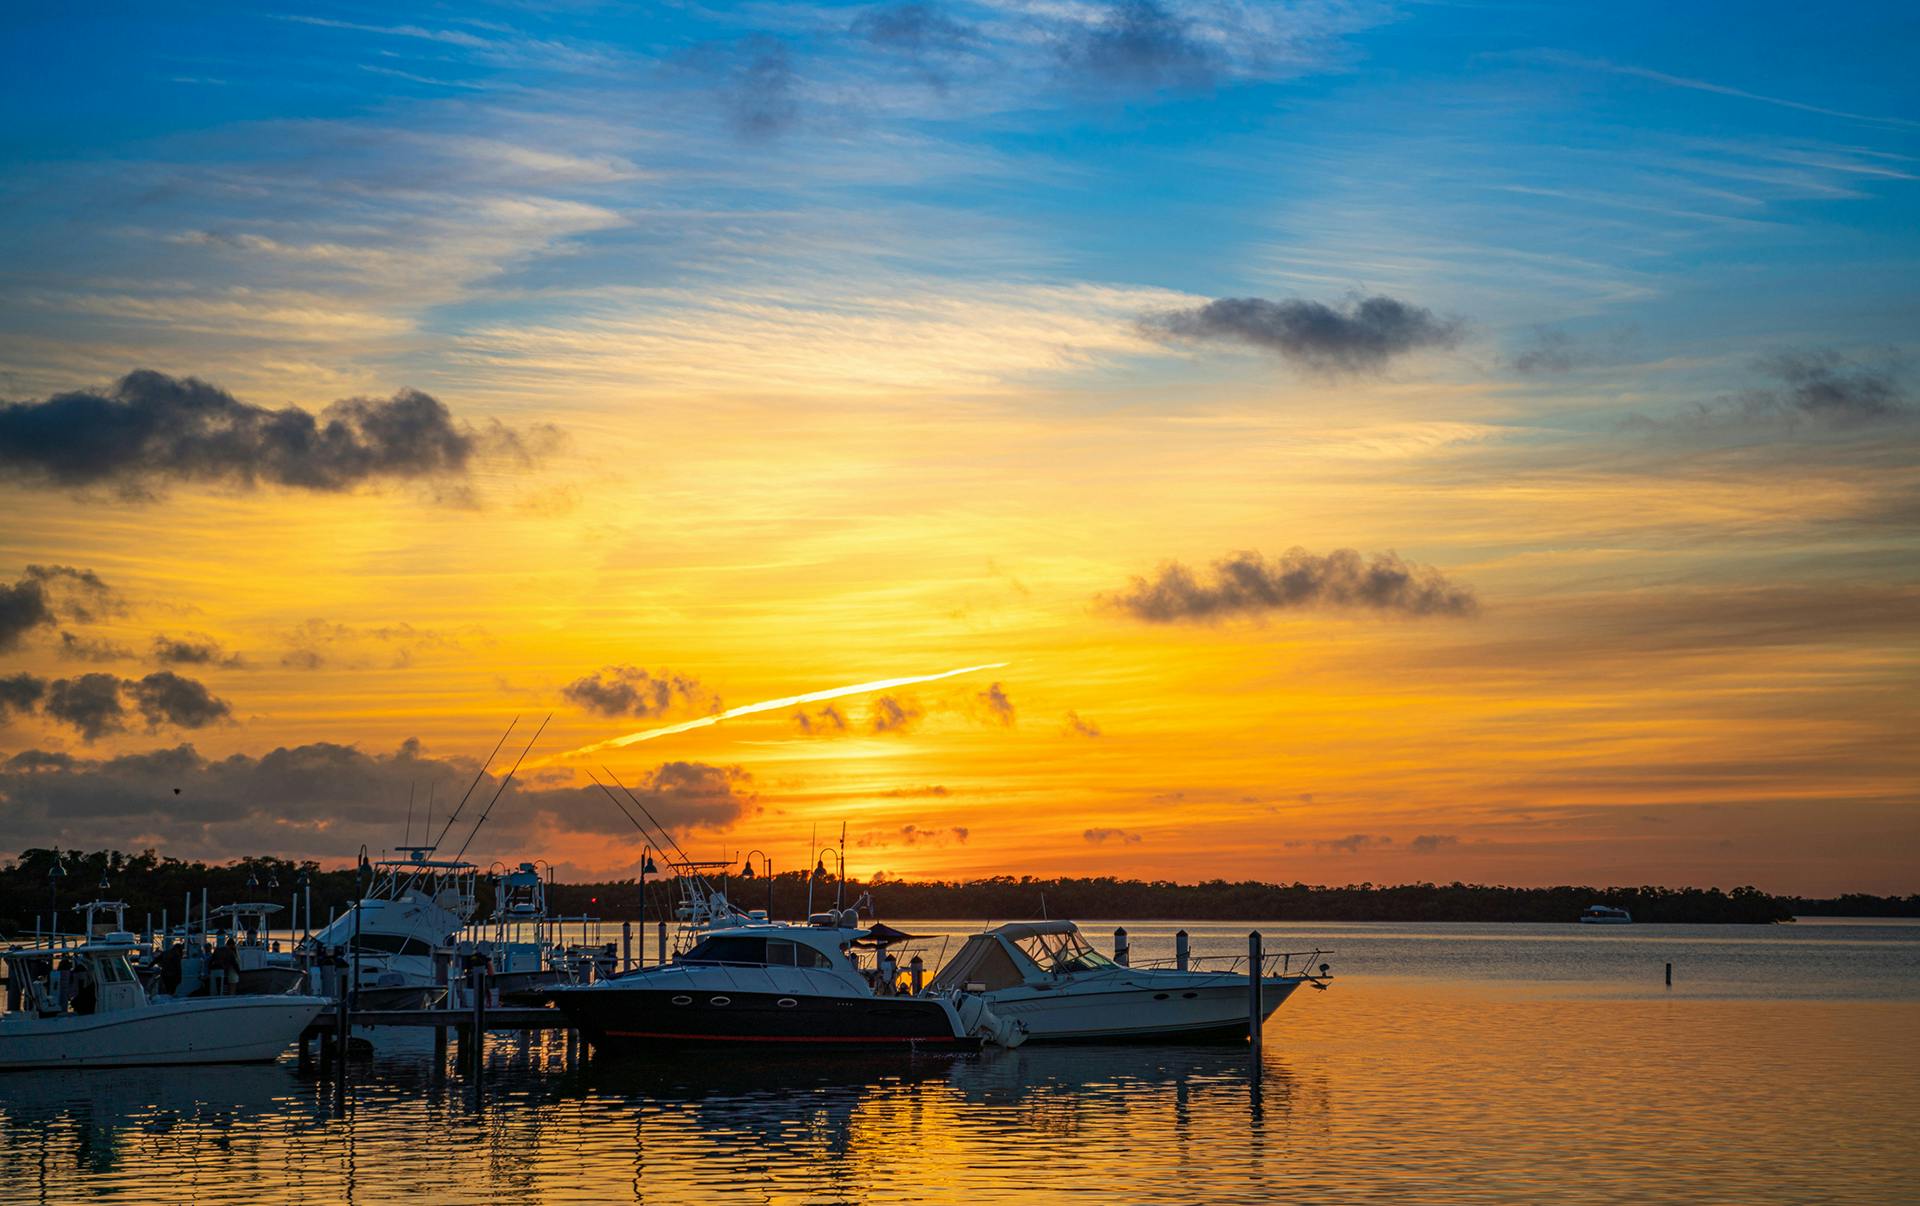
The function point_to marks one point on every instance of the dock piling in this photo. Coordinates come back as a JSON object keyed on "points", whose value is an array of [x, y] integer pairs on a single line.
{"points": [[1121, 954], [662, 947], [1669, 975], [477, 983], [626, 946], [1255, 1014], [1180, 950]]}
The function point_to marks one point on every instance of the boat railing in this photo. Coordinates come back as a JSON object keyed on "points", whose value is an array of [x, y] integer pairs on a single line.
{"points": [[1276, 964]]}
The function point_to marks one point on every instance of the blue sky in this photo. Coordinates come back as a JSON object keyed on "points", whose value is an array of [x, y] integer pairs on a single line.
{"points": [[786, 345]]}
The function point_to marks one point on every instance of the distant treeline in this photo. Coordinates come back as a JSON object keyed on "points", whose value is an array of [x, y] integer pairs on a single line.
{"points": [[150, 884]]}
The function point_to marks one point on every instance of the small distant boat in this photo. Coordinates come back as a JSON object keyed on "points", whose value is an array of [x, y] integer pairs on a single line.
{"points": [[83, 1007], [1600, 914]]}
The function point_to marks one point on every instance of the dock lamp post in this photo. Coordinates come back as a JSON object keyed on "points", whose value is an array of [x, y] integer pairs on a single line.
{"points": [[766, 865], [55, 874], [302, 884], [647, 868], [273, 885], [840, 872]]}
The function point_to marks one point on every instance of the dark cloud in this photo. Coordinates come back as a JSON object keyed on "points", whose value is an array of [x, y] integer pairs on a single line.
{"points": [[194, 649], [1428, 843], [20, 693], [1551, 350], [998, 707], [45, 593], [1077, 726], [890, 715], [1827, 387], [321, 800], [90, 703], [1245, 583], [913, 793], [1137, 45], [826, 722], [1101, 836], [1362, 337], [915, 835], [165, 698], [76, 648], [1354, 843], [924, 34], [96, 704], [149, 429], [631, 691], [762, 89]]}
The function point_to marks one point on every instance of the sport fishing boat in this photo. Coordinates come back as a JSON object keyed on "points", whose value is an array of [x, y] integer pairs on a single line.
{"points": [[769, 984], [413, 907], [1599, 914], [1047, 977], [264, 968], [83, 1007]]}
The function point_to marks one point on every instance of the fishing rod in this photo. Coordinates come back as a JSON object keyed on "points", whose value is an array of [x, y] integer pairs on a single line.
{"points": [[461, 807], [503, 786], [684, 857]]}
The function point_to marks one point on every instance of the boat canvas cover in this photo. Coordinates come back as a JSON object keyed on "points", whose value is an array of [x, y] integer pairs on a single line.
{"points": [[983, 960]]}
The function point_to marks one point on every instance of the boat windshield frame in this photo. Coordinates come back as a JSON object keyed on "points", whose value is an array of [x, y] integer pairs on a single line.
{"points": [[1062, 954]]}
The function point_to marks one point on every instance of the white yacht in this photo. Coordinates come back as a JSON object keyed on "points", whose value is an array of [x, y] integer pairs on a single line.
{"points": [[1045, 976], [763, 984], [1599, 914], [83, 1007], [414, 906]]}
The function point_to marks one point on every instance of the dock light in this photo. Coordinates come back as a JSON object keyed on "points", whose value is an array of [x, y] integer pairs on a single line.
{"points": [[746, 872], [647, 867], [105, 883]]}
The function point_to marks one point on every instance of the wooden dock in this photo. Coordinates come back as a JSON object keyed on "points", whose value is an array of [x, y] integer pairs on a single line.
{"points": [[496, 1018]]}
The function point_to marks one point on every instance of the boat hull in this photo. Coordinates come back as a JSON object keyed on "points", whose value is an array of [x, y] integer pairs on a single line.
{"points": [[219, 1030], [1151, 1013], [653, 1018]]}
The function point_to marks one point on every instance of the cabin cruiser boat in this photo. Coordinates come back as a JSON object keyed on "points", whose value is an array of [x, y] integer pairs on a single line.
{"points": [[761, 984], [1046, 976], [83, 1007], [414, 906], [1599, 914]]}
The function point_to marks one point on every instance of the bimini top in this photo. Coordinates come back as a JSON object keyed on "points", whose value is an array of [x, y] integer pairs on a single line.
{"points": [[1015, 930]]}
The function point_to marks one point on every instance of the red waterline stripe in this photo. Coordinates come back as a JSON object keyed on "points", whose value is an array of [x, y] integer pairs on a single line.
{"points": [[767, 1038]]}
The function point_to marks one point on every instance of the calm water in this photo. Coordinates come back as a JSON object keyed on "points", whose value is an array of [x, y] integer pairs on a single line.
{"points": [[1448, 1063]]}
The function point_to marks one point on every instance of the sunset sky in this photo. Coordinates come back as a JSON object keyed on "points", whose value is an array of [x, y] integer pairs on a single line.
{"points": [[1369, 442]]}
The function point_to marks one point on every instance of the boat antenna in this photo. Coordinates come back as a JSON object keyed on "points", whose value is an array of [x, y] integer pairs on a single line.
{"points": [[501, 790], [476, 782], [410, 788], [840, 885], [656, 820]]}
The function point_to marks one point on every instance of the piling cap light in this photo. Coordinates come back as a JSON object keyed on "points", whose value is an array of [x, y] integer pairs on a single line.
{"points": [[59, 869], [105, 883], [746, 872]]}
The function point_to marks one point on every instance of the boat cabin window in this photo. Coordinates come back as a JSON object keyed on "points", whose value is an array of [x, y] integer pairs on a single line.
{"points": [[392, 944], [1063, 953], [728, 948]]}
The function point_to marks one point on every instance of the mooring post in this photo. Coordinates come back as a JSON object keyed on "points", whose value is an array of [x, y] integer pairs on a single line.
{"points": [[1669, 975], [662, 957], [626, 946], [477, 981], [1180, 950], [917, 971], [1120, 953], [442, 961], [1255, 1014], [305, 1066]]}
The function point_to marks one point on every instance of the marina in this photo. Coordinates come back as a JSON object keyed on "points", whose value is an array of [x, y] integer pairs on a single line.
{"points": [[1465, 1115]]}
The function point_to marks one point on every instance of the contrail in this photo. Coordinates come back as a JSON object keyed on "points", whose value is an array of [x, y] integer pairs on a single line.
{"points": [[879, 684]]}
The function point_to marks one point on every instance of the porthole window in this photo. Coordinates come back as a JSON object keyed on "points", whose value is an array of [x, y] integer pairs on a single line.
{"points": [[720, 1001], [1188, 996], [1159, 996], [683, 1000], [786, 1002]]}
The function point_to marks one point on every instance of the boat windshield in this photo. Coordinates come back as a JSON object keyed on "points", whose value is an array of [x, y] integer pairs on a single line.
{"points": [[1063, 953]]}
